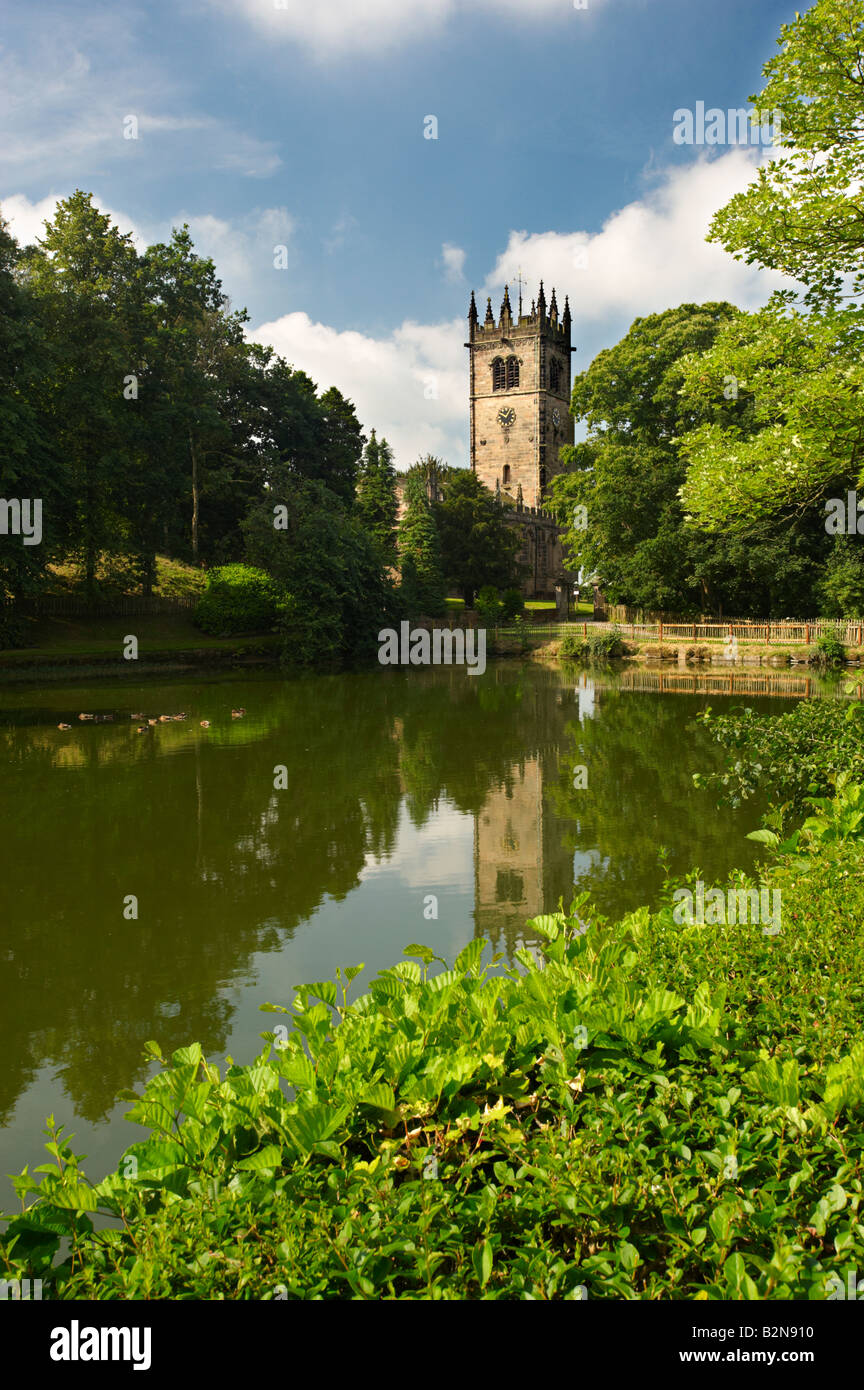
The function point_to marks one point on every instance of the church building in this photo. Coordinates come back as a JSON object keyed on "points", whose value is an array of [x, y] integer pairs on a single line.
{"points": [[519, 396]]}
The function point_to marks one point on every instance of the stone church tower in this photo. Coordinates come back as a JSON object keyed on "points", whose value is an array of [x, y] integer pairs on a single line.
{"points": [[520, 396]]}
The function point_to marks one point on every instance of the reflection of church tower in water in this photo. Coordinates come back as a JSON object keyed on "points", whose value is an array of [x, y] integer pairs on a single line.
{"points": [[521, 868]]}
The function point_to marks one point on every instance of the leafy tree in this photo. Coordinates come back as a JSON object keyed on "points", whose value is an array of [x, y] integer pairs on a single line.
{"points": [[624, 479], [334, 594], [477, 545], [803, 215], [29, 468], [199, 383], [376, 503], [422, 587], [804, 380], [341, 444], [841, 585], [433, 472], [83, 276]]}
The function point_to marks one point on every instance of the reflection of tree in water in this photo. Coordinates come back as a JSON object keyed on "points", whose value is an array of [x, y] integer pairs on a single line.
{"points": [[240, 864], [640, 796], [226, 866]]}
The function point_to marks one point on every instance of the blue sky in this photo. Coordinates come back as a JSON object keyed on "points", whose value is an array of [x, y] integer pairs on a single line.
{"points": [[303, 126]]}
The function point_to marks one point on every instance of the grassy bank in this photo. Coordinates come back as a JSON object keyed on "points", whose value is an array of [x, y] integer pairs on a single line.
{"points": [[62, 645]]}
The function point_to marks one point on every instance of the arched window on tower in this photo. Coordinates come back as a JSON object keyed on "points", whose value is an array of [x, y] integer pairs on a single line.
{"points": [[497, 374], [555, 376], [512, 373], [506, 479]]}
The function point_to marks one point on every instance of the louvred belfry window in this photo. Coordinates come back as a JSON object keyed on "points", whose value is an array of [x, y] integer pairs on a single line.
{"points": [[512, 373], [497, 375], [554, 376]]}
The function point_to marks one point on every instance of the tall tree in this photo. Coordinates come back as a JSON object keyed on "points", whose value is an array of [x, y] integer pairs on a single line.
{"points": [[83, 273], [335, 594], [478, 546], [29, 468], [620, 500], [198, 355], [422, 589], [376, 504]]}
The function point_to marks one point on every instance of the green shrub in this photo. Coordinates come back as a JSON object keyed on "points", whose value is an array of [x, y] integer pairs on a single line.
{"points": [[830, 651], [488, 606], [512, 604], [597, 646], [238, 598]]}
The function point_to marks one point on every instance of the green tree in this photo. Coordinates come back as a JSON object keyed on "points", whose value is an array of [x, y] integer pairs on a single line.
{"points": [[29, 468], [335, 595], [376, 503], [800, 438], [477, 545], [198, 388], [83, 274], [422, 589], [619, 500], [433, 472], [803, 215]]}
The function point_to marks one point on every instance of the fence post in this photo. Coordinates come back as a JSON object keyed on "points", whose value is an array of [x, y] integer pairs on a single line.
{"points": [[660, 639], [694, 632], [807, 635], [584, 629], [767, 633]]}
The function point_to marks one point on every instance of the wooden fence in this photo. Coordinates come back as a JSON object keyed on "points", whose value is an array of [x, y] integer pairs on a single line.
{"points": [[800, 631], [803, 633]]}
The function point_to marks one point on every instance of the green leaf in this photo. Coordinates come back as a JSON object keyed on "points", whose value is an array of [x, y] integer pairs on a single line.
{"points": [[481, 1258]]}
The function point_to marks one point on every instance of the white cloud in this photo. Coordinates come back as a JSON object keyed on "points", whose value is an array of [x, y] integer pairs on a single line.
{"points": [[453, 258], [244, 249], [647, 257], [411, 386], [343, 28]]}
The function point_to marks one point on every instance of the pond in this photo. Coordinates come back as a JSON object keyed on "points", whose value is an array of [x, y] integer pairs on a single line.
{"points": [[337, 820]]}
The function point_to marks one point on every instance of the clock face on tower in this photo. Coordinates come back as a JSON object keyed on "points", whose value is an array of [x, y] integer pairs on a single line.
{"points": [[506, 416]]}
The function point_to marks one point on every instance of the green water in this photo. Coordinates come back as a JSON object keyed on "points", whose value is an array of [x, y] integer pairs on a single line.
{"points": [[406, 794]]}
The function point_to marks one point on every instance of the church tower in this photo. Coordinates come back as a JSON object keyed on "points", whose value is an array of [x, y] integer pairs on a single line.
{"points": [[520, 396]]}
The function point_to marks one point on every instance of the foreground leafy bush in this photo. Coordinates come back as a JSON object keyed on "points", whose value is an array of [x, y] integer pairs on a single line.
{"points": [[238, 598], [790, 756], [645, 1110]]}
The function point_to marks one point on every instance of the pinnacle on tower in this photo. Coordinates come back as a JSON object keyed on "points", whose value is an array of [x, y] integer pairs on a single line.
{"points": [[506, 311], [553, 308], [566, 320], [541, 302], [472, 310], [490, 317]]}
